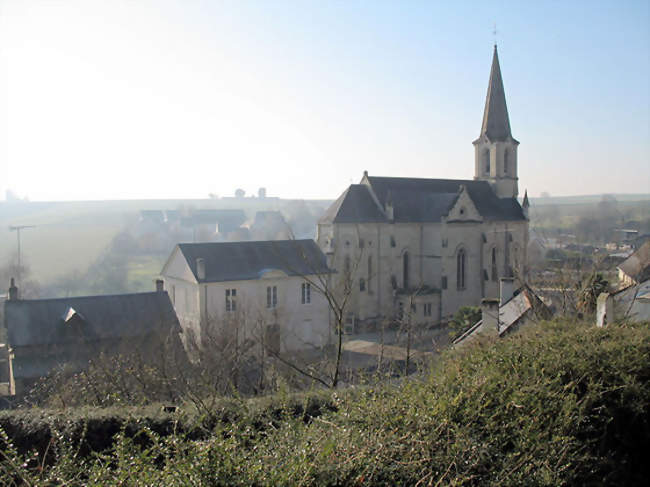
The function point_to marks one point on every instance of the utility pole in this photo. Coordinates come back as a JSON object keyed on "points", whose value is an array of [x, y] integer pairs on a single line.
{"points": [[17, 229]]}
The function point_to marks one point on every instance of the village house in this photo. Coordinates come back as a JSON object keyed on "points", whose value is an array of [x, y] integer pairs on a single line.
{"points": [[44, 334], [433, 244], [636, 268], [265, 290], [632, 300], [513, 309]]}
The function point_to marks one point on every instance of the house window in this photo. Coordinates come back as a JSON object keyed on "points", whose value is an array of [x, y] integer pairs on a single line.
{"points": [[392, 241], [495, 277], [362, 284], [369, 272], [427, 309], [460, 269], [443, 282], [405, 270], [271, 296], [231, 299], [305, 293]]}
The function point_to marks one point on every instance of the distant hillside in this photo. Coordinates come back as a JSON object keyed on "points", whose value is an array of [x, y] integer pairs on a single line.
{"points": [[586, 199], [67, 236]]}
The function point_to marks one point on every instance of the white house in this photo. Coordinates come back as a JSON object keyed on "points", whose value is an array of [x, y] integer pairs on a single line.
{"points": [[632, 300], [636, 268], [266, 290], [433, 244]]}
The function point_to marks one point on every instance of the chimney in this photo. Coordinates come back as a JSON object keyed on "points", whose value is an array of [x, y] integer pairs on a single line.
{"points": [[13, 291], [200, 268], [160, 285], [506, 290], [490, 315]]}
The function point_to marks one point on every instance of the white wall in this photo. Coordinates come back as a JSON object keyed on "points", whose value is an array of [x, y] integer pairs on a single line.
{"points": [[302, 326]]}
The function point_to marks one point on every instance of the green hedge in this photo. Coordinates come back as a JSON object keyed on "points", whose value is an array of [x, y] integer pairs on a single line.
{"points": [[558, 404]]}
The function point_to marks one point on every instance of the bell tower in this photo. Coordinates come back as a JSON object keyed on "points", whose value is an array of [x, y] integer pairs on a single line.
{"points": [[496, 149]]}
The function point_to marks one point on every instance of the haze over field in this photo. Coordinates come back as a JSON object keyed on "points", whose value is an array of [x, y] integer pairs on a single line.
{"points": [[162, 99]]}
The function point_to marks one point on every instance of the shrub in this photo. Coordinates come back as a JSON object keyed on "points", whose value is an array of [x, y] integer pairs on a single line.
{"points": [[559, 404]]}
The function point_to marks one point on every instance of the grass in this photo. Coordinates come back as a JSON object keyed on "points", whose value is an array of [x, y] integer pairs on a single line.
{"points": [[559, 404]]}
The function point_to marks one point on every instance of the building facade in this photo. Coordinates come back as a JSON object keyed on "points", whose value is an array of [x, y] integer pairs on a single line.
{"points": [[430, 246], [253, 291], [45, 334]]}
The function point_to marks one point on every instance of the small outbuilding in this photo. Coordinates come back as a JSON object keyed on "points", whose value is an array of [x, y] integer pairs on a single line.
{"points": [[44, 334]]}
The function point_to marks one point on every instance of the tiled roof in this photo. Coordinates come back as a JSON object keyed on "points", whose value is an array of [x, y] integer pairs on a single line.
{"points": [[239, 261], [355, 205], [417, 200], [637, 265], [36, 322]]}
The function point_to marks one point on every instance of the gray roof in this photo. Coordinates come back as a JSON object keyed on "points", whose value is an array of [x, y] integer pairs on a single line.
{"points": [[637, 265], [417, 200], [42, 321], [496, 123], [353, 206], [240, 261]]}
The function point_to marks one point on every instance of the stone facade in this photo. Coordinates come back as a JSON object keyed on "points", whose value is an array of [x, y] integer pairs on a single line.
{"points": [[432, 245]]}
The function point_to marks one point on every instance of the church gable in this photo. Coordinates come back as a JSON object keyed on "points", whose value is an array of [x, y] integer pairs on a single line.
{"points": [[464, 209]]}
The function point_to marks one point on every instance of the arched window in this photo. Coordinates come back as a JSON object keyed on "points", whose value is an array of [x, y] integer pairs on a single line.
{"points": [[486, 161], [460, 269], [495, 276], [515, 258], [405, 263], [505, 162]]}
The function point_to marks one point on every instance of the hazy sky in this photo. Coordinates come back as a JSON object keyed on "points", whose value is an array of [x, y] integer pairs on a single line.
{"points": [[166, 99]]}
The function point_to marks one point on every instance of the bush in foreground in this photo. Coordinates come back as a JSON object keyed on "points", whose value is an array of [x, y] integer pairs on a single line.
{"points": [[559, 404]]}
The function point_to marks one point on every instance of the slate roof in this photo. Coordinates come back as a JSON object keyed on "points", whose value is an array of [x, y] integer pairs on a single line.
{"points": [[34, 322], [496, 123], [241, 261], [417, 200], [355, 205], [637, 265]]}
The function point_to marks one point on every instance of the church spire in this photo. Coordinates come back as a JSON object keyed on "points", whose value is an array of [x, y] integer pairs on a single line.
{"points": [[496, 124]]}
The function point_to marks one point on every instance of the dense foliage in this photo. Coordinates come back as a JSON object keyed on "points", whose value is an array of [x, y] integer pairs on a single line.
{"points": [[558, 404]]}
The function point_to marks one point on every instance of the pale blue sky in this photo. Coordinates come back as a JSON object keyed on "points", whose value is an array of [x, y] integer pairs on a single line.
{"points": [[162, 99]]}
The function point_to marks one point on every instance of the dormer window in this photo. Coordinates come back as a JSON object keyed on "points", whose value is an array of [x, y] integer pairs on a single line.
{"points": [[462, 211]]}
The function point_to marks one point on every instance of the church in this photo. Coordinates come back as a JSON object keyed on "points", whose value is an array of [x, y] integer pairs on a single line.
{"points": [[430, 246]]}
